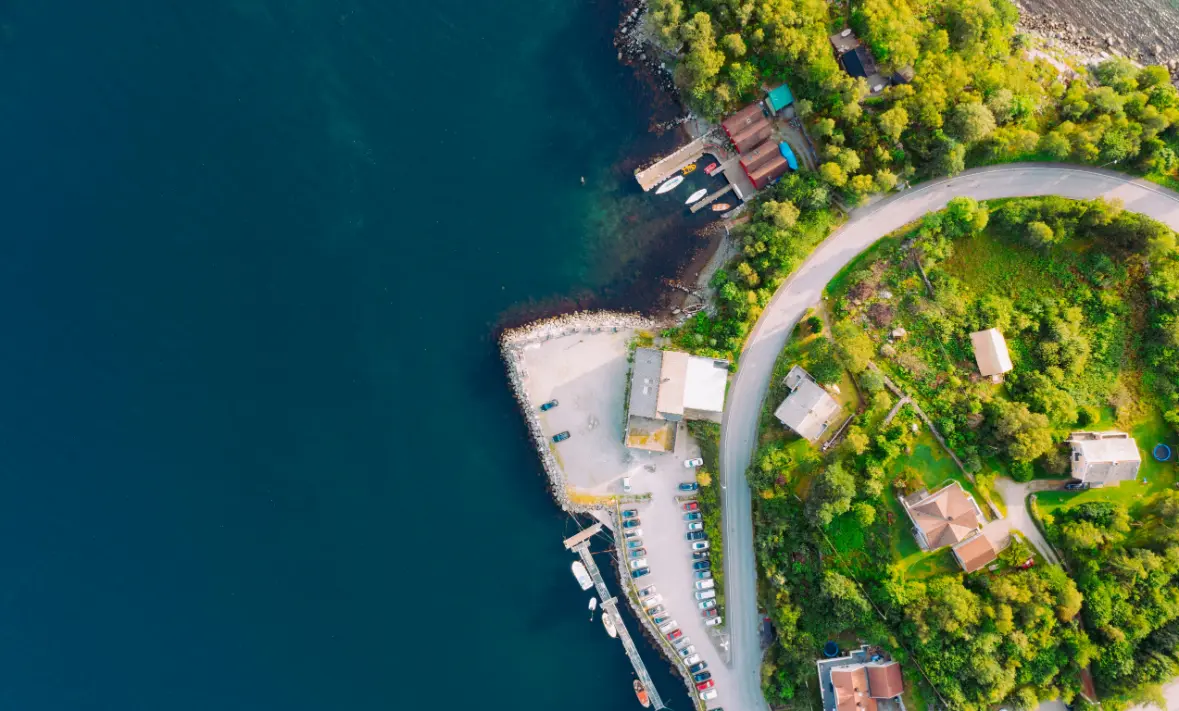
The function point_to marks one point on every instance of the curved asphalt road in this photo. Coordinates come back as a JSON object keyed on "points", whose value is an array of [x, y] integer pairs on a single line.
{"points": [[803, 289]]}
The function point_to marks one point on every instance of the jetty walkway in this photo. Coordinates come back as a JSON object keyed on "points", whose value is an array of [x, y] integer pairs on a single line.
{"points": [[580, 545], [671, 164]]}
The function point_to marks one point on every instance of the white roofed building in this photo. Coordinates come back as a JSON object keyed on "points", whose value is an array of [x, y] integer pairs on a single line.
{"points": [[667, 387], [809, 409], [990, 352], [1100, 458]]}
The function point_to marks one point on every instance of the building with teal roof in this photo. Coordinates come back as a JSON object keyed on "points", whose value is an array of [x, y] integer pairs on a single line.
{"points": [[779, 98]]}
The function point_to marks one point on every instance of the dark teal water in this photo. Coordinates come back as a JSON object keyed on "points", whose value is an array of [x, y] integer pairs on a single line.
{"points": [[256, 448]]}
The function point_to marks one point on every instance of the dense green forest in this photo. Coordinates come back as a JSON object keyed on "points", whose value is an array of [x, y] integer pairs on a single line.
{"points": [[1080, 289]]}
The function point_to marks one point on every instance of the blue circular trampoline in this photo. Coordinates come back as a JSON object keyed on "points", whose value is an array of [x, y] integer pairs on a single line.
{"points": [[1162, 452]]}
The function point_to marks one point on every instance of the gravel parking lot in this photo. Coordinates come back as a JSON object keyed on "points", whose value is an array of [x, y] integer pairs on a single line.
{"points": [[587, 374]]}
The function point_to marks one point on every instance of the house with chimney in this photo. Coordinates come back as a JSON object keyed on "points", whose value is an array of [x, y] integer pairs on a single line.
{"points": [[864, 680]]}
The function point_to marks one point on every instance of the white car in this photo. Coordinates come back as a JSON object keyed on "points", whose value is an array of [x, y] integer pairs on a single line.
{"points": [[633, 533], [688, 651], [649, 590], [672, 625], [705, 584], [714, 621], [626, 483], [695, 526], [691, 463], [638, 563], [700, 546], [705, 594], [708, 695], [682, 644], [692, 660], [707, 605], [652, 601]]}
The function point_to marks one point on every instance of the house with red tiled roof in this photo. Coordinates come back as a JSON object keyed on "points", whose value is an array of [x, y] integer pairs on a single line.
{"points": [[864, 680]]}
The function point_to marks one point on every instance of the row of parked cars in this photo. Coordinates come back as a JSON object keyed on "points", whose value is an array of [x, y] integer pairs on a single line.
{"points": [[632, 536], [653, 605], [701, 565]]}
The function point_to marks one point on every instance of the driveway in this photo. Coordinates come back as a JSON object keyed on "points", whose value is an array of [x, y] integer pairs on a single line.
{"points": [[1015, 496], [769, 335]]}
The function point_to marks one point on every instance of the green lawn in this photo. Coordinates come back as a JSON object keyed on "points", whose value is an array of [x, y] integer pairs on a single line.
{"points": [[988, 264]]}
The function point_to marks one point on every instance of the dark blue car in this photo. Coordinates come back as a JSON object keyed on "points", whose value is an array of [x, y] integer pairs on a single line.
{"points": [[702, 676], [640, 572], [702, 565], [548, 405], [561, 436]]}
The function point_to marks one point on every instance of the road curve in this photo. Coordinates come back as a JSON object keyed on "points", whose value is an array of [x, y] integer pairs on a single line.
{"points": [[803, 289]]}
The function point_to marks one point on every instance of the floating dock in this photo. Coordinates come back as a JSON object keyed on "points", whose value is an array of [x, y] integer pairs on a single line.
{"points": [[580, 544]]}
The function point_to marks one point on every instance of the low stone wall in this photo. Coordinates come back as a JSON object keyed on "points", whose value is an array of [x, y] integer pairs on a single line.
{"points": [[512, 345]]}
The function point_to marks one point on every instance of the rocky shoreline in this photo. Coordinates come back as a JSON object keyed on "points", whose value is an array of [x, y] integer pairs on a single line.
{"points": [[1145, 31], [514, 341]]}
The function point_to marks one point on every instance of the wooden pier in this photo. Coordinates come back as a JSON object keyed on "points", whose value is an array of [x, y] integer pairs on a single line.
{"points": [[610, 607], [709, 199], [671, 164]]}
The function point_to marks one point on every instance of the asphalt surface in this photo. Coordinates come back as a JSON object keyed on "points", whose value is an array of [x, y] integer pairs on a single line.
{"points": [[804, 289]]}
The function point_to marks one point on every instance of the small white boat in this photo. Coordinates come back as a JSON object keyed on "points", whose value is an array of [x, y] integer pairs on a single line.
{"points": [[696, 196], [609, 625], [593, 603], [582, 576], [670, 185]]}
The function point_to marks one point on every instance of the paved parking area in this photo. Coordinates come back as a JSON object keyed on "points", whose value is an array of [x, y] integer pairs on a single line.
{"points": [[587, 374]]}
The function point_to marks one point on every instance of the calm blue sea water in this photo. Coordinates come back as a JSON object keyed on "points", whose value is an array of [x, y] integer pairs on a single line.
{"points": [[256, 448]]}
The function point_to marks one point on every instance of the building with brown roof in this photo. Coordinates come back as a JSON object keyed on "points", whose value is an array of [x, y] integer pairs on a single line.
{"points": [[773, 168], [752, 136], [743, 119], [861, 681], [974, 553], [759, 156], [944, 518]]}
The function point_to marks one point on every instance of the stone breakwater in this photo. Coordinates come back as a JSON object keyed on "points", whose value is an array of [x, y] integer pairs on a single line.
{"points": [[512, 345]]}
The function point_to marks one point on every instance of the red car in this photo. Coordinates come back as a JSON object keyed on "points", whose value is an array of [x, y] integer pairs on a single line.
{"points": [[709, 614], [705, 685], [674, 635], [691, 506], [1027, 563]]}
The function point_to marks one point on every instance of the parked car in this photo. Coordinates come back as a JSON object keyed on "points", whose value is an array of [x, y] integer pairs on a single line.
{"points": [[706, 605], [705, 584], [694, 516], [638, 563], [669, 626], [1027, 564], [714, 621], [700, 546], [634, 543], [702, 676], [700, 555], [692, 659], [697, 668], [1076, 485], [687, 651], [661, 619], [689, 486], [691, 506], [638, 553], [561, 436], [632, 523], [695, 535], [630, 513], [657, 610], [703, 575], [690, 463], [705, 685], [549, 405], [626, 483], [708, 695], [653, 600], [636, 574], [695, 526], [702, 565], [685, 643], [674, 635], [649, 590], [633, 533], [709, 614], [705, 594]]}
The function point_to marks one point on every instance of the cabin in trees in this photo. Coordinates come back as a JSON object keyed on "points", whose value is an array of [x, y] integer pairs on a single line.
{"points": [[1100, 458], [808, 410], [857, 60], [668, 387], [990, 352], [950, 517], [864, 680]]}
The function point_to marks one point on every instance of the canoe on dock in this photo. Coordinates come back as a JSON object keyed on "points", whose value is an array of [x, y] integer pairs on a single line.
{"points": [[670, 185]]}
